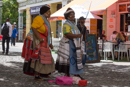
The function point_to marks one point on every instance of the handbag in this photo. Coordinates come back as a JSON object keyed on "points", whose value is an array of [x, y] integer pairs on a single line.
{"points": [[36, 52], [45, 56], [63, 80]]}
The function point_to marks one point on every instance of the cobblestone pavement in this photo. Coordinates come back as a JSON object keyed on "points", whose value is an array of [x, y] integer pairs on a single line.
{"points": [[104, 75]]}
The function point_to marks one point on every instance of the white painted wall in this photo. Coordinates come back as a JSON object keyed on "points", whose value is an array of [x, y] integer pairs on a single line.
{"points": [[19, 1]]}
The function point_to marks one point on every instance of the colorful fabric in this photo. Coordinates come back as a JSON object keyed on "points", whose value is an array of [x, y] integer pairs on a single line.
{"points": [[73, 69], [38, 23], [27, 49], [30, 35], [45, 53], [63, 50], [65, 64], [14, 33], [66, 29], [49, 28], [76, 80], [68, 11], [77, 44]]}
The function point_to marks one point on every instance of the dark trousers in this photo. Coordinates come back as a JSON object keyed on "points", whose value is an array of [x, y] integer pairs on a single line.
{"points": [[13, 41], [7, 39]]}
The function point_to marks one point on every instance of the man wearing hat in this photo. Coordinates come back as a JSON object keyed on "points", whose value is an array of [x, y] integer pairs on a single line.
{"points": [[82, 27]]}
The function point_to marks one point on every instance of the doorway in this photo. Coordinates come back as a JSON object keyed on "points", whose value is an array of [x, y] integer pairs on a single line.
{"points": [[99, 26], [122, 22]]}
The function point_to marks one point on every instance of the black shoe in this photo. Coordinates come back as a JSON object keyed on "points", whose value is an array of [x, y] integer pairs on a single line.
{"points": [[116, 58], [80, 77], [3, 52], [6, 54]]}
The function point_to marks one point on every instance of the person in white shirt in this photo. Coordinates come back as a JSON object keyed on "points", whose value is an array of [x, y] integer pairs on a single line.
{"points": [[6, 38], [113, 36]]}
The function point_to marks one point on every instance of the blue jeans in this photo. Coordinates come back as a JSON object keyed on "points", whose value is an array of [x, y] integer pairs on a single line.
{"points": [[13, 41]]}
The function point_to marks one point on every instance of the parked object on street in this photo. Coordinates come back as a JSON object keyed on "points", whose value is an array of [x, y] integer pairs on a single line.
{"points": [[82, 83], [6, 32]]}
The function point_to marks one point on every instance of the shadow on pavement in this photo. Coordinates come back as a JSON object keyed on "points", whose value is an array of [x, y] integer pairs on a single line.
{"points": [[107, 75], [12, 54]]}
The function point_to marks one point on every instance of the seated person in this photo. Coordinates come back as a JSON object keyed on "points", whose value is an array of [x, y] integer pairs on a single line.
{"points": [[118, 40], [126, 38], [103, 36], [113, 36]]}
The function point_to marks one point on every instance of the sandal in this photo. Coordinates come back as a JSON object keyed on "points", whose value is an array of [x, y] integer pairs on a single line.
{"points": [[38, 78]]}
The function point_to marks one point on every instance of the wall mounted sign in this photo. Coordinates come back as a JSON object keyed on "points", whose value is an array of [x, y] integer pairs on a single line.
{"points": [[122, 7], [111, 20], [111, 26], [113, 12], [35, 10]]}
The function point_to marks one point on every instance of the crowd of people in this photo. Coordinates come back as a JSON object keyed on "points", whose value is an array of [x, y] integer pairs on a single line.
{"points": [[116, 37]]}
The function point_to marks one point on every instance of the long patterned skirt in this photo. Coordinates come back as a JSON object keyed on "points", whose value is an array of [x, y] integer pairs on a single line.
{"points": [[69, 66]]}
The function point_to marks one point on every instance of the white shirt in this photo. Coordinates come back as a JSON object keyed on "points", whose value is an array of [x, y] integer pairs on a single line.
{"points": [[10, 28], [113, 37]]}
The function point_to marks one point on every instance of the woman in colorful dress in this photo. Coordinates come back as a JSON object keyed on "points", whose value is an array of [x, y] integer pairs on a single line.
{"points": [[69, 53], [38, 42]]}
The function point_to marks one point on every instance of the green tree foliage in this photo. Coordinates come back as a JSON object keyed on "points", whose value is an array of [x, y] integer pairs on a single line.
{"points": [[10, 10]]}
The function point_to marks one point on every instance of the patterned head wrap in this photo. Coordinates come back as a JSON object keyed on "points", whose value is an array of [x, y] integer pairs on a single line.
{"points": [[68, 11], [44, 9]]}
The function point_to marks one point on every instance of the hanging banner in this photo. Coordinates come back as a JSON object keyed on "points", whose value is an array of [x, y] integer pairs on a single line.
{"points": [[100, 12], [93, 26]]}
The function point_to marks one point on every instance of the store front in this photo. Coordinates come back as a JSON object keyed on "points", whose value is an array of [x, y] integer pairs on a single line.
{"points": [[118, 17], [32, 8]]}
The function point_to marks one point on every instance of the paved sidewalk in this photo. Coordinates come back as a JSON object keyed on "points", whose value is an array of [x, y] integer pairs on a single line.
{"points": [[16, 48], [116, 74], [98, 75]]}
